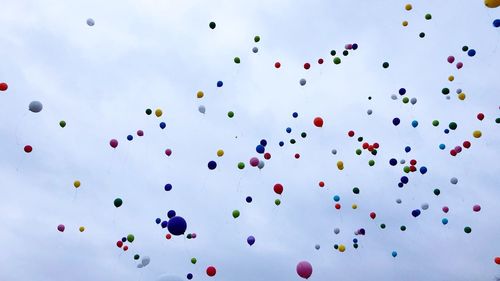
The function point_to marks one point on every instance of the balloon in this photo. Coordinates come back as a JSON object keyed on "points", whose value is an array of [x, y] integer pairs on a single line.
{"points": [[386, 64], [336, 230], [62, 123], [236, 214], [467, 229], [318, 122], [201, 109], [3, 86], [278, 188], [255, 50], [302, 82], [260, 149], [168, 187], [113, 143], [189, 276], [77, 184], [317, 247], [241, 165], [476, 208], [164, 224], [428, 16], [394, 253], [90, 22], [28, 148], [413, 100], [200, 94], [277, 202], [261, 164], [118, 202], [130, 238], [477, 134], [81, 228], [211, 271], [158, 112], [369, 112], [171, 214], [307, 65], [140, 265], [320, 61], [61, 227], [304, 269], [119, 244], [177, 225], [212, 165], [460, 65], [373, 215], [454, 180], [425, 206], [250, 240], [125, 248], [496, 23], [340, 165], [237, 60], [220, 152], [193, 260], [341, 248], [254, 161], [497, 260], [277, 64], [145, 260], [230, 114], [399, 201], [140, 133], [337, 60], [408, 7], [211, 25], [415, 213], [334, 151], [219, 84], [396, 121], [471, 53], [249, 199], [492, 3], [35, 106]]}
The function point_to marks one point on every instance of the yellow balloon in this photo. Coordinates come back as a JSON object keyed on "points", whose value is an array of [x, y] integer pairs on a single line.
{"points": [[82, 228], [408, 7], [220, 152], [477, 134], [200, 94], [354, 206], [340, 165], [158, 112], [77, 184], [451, 78], [405, 23], [341, 248], [461, 96], [492, 3]]}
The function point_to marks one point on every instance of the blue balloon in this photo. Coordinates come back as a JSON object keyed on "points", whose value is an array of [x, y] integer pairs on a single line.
{"points": [[219, 84], [250, 240], [415, 213], [336, 198], [446, 131], [171, 214], [164, 224], [263, 142], [442, 146], [402, 91], [281, 143], [130, 137], [158, 220], [444, 221], [393, 162], [163, 125], [260, 149], [249, 199], [177, 225], [355, 240], [289, 130], [404, 179], [400, 184], [168, 187], [423, 170], [362, 231], [212, 165], [471, 52], [295, 115], [354, 46], [124, 239], [414, 123], [394, 253], [407, 149], [189, 276], [496, 23], [396, 121]]}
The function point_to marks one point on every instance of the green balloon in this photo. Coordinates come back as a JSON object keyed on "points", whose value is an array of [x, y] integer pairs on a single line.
{"points": [[333, 52], [385, 65], [130, 238], [277, 202], [230, 114], [292, 141], [345, 53], [355, 190], [465, 48], [236, 213], [211, 25], [136, 257], [403, 228], [256, 39], [358, 151], [435, 123], [406, 100], [445, 91], [382, 225], [406, 169], [241, 165], [360, 139], [118, 202], [237, 60], [149, 111], [437, 191], [371, 162], [337, 60], [193, 260], [452, 125], [62, 123], [428, 16], [374, 152], [467, 229], [497, 120], [303, 135], [355, 245]]}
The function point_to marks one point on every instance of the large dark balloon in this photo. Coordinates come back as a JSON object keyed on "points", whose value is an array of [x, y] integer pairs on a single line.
{"points": [[177, 225]]}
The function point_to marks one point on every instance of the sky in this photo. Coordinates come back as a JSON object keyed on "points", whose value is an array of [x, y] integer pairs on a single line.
{"points": [[159, 53]]}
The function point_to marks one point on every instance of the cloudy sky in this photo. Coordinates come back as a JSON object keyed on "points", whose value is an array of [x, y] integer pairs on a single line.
{"points": [[158, 53]]}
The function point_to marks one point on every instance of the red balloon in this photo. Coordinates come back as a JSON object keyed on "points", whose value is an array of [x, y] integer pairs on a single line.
{"points": [[413, 168], [370, 147], [476, 208], [278, 188], [267, 156], [350, 133], [318, 122], [28, 149], [277, 64], [3, 86], [297, 156], [446, 209], [307, 65], [125, 248], [168, 152], [480, 116], [321, 184], [497, 260], [467, 144], [211, 271], [373, 215], [376, 145], [453, 152], [119, 244], [320, 61], [304, 269], [413, 162], [113, 143], [365, 145], [168, 236], [337, 206]]}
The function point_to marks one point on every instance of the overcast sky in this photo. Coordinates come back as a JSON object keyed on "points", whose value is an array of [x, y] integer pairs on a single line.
{"points": [[158, 53]]}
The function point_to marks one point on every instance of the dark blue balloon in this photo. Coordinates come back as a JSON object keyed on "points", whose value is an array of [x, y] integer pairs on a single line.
{"points": [[219, 84], [446, 131], [281, 143], [168, 187], [260, 149], [171, 214], [164, 224], [163, 125], [295, 115], [414, 123], [130, 137], [402, 91], [404, 179], [355, 240], [400, 184], [396, 121], [189, 276], [249, 199], [124, 239], [423, 170], [471, 52], [407, 149], [158, 220], [362, 231], [250, 240], [289, 130], [212, 165], [354, 46], [393, 162], [263, 142], [415, 213], [177, 225], [496, 23]]}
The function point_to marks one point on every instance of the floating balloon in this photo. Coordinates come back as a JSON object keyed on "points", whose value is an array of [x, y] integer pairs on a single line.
{"points": [[145, 261], [28, 148], [3, 86], [201, 109], [35, 106], [211, 271], [61, 227], [250, 240], [304, 269], [236, 214], [318, 122], [118, 202], [90, 22], [302, 82], [212, 25], [81, 228], [113, 143], [278, 188]]}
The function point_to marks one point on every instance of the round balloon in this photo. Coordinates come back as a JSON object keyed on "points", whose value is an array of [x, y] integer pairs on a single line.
{"points": [[304, 269], [35, 106], [177, 225]]}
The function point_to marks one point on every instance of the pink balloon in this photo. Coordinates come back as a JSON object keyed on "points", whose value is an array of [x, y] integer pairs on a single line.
{"points": [[476, 208], [458, 149], [460, 65], [451, 59], [61, 227], [113, 143], [348, 46], [254, 161], [446, 209], [168, 152], [304, 269]]}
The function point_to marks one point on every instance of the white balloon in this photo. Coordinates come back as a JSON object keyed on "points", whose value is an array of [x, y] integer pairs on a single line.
{"points": [[413, 100], [35, 106], [261, 165], [454, 180], [302, 82], [336, 230], [394, 97], [334, 151], [145, 260], [369, 112], [402, 161], [425, 206], [90, 22], [201, 109], [255, 50]]}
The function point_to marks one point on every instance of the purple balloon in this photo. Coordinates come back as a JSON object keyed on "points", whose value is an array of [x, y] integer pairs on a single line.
{"points": [[250, 240], [304, 269], [61, 227], [254, 161]]}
